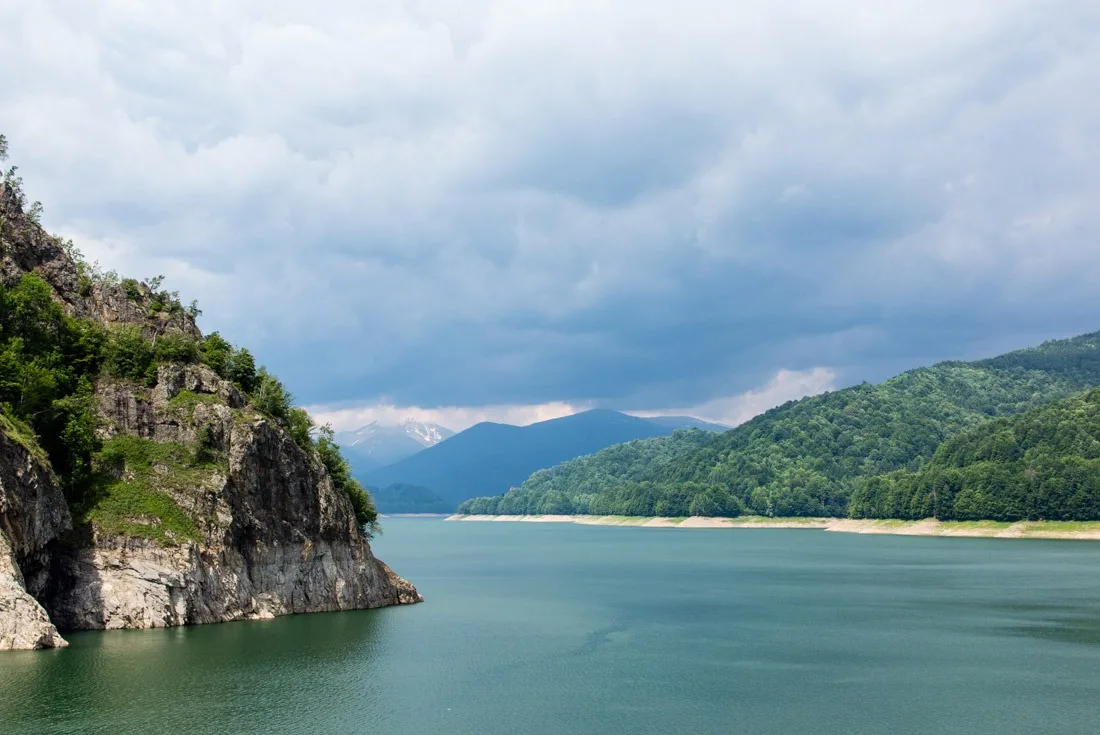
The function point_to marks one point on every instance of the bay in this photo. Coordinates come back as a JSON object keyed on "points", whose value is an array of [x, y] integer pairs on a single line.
{"points": [[560, 628]]}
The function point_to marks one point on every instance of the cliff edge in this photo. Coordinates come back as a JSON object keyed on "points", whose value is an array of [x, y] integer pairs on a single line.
{"points": [[175, 484]]}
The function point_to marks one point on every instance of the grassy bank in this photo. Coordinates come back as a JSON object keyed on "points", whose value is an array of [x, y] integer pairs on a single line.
{"points": [[1085, 530]]}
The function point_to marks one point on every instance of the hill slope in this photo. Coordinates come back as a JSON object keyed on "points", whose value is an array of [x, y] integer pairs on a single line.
{"points": [[597, 483], [490, 458], [806, 457], [1040, 465]]}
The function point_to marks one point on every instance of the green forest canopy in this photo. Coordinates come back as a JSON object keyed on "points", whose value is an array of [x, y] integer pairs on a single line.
{"points": [[50, 360], [807, 457], [1040, 465]]}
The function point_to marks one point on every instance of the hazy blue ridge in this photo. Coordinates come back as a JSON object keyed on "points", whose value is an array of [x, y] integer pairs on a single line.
{"points": [[490, 458], [403, 498]]}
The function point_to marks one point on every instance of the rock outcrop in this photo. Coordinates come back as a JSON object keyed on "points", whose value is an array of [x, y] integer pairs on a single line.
{"points": [[264, 531], [277, 537], [27, 248], [24, 625], [33, 516]]}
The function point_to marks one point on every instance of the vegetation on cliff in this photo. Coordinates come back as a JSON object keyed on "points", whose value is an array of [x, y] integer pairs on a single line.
{"points": [[807, 457], [52, 358], [132, 494]]}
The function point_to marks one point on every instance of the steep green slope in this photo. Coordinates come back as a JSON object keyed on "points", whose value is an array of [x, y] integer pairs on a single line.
{"points": [[603, 483], [806, 457], [1040, 465], [492, 458]]}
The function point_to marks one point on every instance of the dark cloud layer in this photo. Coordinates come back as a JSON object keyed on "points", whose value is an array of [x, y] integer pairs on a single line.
{"points": [[634, 204]]}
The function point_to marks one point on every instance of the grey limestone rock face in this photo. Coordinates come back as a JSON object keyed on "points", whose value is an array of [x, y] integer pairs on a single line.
{"points": [[275, 536], [27, 248], [33, 515], [24, 625], [279, 538], [136, 585]]}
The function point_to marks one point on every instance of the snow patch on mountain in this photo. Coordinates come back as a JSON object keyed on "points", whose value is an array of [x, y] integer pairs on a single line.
{"points": [[377, 444]]}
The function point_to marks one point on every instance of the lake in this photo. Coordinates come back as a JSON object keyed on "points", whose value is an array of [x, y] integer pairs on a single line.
{"points": [[559, 628]]}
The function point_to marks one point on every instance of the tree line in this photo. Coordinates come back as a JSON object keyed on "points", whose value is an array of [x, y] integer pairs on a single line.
{"points": [[826, 455]]}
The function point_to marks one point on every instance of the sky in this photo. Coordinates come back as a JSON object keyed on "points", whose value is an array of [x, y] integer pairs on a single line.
{"points": [[513, 211]]}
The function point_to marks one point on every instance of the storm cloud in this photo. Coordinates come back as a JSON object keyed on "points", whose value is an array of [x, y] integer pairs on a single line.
{"points": [[642, 205]]}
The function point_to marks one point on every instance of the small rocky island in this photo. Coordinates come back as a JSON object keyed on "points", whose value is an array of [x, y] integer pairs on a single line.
{"points": [[178, 487]]}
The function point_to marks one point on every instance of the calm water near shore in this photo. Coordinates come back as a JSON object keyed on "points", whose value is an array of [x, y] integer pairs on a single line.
{"points": [[561, 628]]}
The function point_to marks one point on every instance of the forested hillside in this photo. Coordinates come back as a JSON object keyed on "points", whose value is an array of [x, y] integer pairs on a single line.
{"points": [[597, 483], [808, 456], [490, 458], [1040, 465]]}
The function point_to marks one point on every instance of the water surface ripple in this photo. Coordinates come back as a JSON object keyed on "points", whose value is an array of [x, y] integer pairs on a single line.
{"points": [[547, 628]]}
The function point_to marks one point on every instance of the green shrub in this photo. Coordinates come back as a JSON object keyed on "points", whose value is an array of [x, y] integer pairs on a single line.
{"points": [[300, 427], [132, 289], [271, 397], [365, 513], [241, 369], [216, 353], [206, 445], [129, 355], [176, 348], [340, 472]]}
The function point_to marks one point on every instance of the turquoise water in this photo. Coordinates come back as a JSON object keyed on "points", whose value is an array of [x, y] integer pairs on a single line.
{"points": [[548, 628]]}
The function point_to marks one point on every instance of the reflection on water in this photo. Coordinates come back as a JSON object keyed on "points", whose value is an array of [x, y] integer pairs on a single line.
{"points": [[232, 672], [1082, 629], [549, 629]]}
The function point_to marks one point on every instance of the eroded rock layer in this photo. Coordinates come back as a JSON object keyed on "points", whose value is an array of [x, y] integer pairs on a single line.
{"points": [[248, 524]]}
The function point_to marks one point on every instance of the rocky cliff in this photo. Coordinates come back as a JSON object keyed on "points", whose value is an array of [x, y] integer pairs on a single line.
{"points": [[271, 535], [204, 509], [33, 516]]}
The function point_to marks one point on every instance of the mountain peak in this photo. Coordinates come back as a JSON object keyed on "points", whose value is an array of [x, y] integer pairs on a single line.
{"points": [[492, 457], [426, 434], [380, 443]]}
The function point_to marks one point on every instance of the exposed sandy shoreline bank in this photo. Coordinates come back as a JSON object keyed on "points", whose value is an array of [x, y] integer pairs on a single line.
{"points": [[1080, 530]]}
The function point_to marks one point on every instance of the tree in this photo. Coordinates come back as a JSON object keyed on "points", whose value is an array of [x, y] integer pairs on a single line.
{"points": [[340, 472], [270, 396], [216, 354], [299, 425], [242, 370]]}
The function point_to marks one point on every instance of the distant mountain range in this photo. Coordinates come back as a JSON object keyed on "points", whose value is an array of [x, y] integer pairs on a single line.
{"points": [[490, 458], [674, 423], [376, 445]]}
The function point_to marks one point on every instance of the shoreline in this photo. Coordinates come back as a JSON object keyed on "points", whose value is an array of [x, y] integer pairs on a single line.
{"points": [[1068, 530]]}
